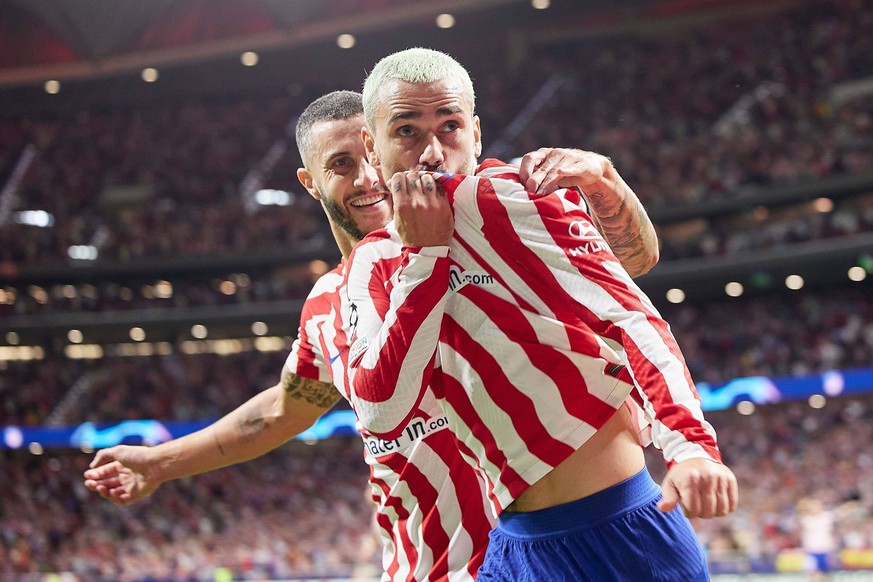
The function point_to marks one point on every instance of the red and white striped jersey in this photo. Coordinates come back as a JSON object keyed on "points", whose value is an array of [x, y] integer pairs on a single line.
{"points": [[431, 510], [527, 329]]}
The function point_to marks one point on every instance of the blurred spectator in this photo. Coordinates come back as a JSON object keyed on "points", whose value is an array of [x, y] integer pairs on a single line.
{"points": [[777, 334], [301, 510], [701, 115]]}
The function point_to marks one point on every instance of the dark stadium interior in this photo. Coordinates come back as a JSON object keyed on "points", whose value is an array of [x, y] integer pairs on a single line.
{"points": [[746, 129]]}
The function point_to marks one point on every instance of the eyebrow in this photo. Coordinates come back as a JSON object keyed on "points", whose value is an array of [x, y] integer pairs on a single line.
{"points": [[330, 159], [441, 111]]}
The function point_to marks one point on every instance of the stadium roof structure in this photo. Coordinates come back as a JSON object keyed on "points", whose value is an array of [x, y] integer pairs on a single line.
{"points": [[85, 39]]}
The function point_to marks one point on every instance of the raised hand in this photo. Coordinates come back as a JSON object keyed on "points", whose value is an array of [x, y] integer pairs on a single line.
{"points": [[422, 213]]}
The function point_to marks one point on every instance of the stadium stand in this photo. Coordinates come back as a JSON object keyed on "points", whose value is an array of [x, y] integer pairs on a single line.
{"points": [[749, 138]]}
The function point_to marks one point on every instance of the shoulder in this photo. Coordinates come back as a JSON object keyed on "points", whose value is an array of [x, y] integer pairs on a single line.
{"points": [[324, 296], [494, 168], [379, 244], [327, 283]]}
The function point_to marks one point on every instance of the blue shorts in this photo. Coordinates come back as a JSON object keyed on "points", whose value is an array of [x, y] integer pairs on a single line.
{"points": [[617, 534], [818, 562]]}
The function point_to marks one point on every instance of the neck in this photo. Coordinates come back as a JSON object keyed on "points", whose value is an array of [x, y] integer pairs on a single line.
{"points": [[344, 241]]}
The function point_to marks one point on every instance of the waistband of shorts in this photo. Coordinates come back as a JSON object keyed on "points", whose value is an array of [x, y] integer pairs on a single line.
{"points": [[584, 513]]}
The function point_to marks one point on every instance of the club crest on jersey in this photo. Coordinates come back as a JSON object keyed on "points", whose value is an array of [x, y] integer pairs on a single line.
{"points": [[584, 231], [459, 278]]}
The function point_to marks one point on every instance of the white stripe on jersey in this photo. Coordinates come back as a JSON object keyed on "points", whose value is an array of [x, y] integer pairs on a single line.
{"points": [[498, 350], [425, 480]]}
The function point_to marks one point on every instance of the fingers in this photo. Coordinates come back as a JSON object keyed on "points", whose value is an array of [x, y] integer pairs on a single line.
{"points": [[110, 482], [712, 492], [669, 496], [105, 456], [546, 176], [102, 457], [118, 495], [102, 471], [549, 169], [113, 490], [733, 493], [728, 494], [529, 163], [422, 213], [719, 492], [414, 184], [668, 504], [694, 497]]}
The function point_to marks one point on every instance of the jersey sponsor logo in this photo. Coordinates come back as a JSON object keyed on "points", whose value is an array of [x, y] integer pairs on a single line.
{"points": [[358, 348], [459, 278], [591, 240], [417, 429], [334, 358]]}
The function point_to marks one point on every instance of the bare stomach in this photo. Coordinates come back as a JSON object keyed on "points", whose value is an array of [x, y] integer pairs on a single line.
{"points": [[612, 455]]}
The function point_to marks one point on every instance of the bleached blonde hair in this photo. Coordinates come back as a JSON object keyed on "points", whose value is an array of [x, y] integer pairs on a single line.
{"points": [[414, 65]]}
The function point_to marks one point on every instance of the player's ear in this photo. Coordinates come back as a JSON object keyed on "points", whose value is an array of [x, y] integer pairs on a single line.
{"points": [[370, 147], [306, 180], [477, 135]]}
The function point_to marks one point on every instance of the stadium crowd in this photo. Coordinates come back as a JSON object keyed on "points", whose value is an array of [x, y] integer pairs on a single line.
{"points": [[171, 387], [776, 334], [302, 510], [734, 104], [148, 292], [782, 454], [700, 116], [684, 118]]}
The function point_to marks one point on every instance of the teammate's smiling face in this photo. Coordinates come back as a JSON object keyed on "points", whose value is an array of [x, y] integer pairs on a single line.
{"points": [[423, 126], [339, 176]]}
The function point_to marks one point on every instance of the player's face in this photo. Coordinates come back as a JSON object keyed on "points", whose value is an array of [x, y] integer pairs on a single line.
{"points": [[423, 126], [339, 175]]}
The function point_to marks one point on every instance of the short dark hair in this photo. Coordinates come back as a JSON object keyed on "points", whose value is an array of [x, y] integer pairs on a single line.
{"points": [[333, 106]]}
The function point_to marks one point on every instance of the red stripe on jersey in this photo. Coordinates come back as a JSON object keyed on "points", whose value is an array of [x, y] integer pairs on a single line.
{"points": [[497, 276], [521, 259], [432, 532], [381, 279], [385, 523], [465, 480], [468, 453], [564, 373], [589, 261], [649, 375], [421, 301], [421, 473], [305, 358], [398, 527], [515, 403], [493, 454]]}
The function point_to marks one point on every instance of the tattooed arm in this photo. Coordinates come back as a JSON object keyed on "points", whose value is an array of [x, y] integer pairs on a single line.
{"points": [[618, 213], [125, 474]]}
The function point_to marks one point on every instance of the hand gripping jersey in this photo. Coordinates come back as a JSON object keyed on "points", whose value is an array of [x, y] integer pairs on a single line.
{"points": [[526, 328], [431, 511]]}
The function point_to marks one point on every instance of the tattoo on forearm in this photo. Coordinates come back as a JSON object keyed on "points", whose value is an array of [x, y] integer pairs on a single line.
{"points": [[217, 442], [321, 394], [628, 231], [251, 424]]}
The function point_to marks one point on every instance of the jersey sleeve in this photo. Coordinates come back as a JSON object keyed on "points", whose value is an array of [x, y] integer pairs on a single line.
{"points": [[307, 358], [397, 299], [553, 243]]}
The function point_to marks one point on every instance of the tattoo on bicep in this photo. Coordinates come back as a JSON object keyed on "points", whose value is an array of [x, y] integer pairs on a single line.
{"points": [[321, 394]]}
